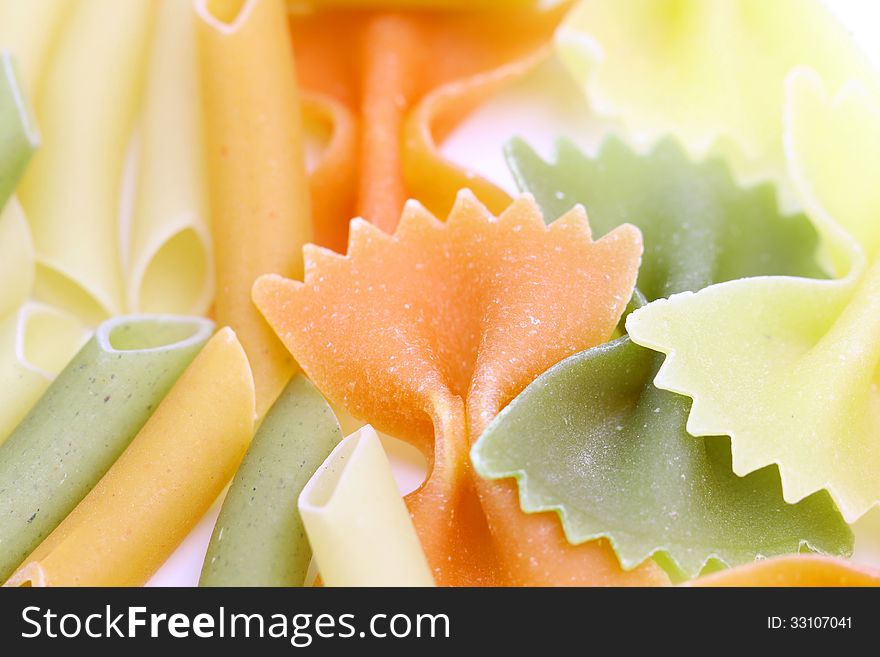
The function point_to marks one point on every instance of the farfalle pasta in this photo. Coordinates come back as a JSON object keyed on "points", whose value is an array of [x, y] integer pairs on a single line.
{"points": [[247, 247], [798, 355], [375, 78], [677, 498], [710, 73], [440, 318]]}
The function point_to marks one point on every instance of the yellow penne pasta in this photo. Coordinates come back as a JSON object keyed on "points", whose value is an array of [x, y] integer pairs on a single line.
{"points": [[71, 190], [359, 528], [170, 268], [29, 29], [16, 258], [162, 484], [258, 189], [36, 342]]}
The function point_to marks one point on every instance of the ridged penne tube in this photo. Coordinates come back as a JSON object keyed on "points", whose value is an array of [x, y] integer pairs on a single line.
{"points": [[36, 342], [358, 526], [170, 267], [16, 258], [71, 190], [256, 168], [162, 484], [18, 133], [29, 29], [85, 420], [259, 538]]}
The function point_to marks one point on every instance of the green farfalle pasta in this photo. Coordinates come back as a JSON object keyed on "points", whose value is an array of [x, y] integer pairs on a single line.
{"points": [[592, 438], [259, 538], [85, 420]]}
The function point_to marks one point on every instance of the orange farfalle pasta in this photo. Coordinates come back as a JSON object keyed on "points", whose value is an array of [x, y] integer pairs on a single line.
{"points": [[428, 333], [390, 84], [794, 570]]}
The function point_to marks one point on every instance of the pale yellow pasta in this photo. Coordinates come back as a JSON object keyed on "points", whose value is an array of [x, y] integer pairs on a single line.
{"points": [[85, 111], [29, 29], [36, 342], [169, 267], [16, 258], [359, 528]]}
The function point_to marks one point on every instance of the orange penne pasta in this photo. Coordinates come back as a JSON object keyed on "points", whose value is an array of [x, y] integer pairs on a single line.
{"points": [[258, 188]]}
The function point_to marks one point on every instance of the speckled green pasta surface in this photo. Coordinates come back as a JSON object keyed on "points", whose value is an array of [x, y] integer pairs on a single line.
{"points": [[698, 225], [85, 420], [259, 539], [18, 133], [593, 438]]}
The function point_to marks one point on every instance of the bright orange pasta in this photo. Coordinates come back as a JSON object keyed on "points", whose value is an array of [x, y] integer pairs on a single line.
{"points": [[429, 333], [378, 79]]}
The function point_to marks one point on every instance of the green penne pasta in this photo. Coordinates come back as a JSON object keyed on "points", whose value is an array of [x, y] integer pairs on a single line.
{"points": [[259, 538], [18, 133], [85, 420]]}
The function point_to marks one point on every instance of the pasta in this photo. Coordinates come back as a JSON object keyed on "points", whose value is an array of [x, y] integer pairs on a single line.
{"points": [[800, 570], [367, 74], [86, 418], [676, 497], [440, 316], [18, 133], [259, 538], [36, 342], [16, 258], [786, 365], [170, 267], [86, 110], [259, 194], [352, 513], [710, 73], [29, 29], [161, 485]]}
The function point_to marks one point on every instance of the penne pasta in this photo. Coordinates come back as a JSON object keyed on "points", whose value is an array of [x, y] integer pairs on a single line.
{"points": [[353, 515], [18, 132], [258, 188], [84, 421], [162, 484], [36, 342], [169, 266], [16, 258], [29, 28], [71, 191], [259, 538]]}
